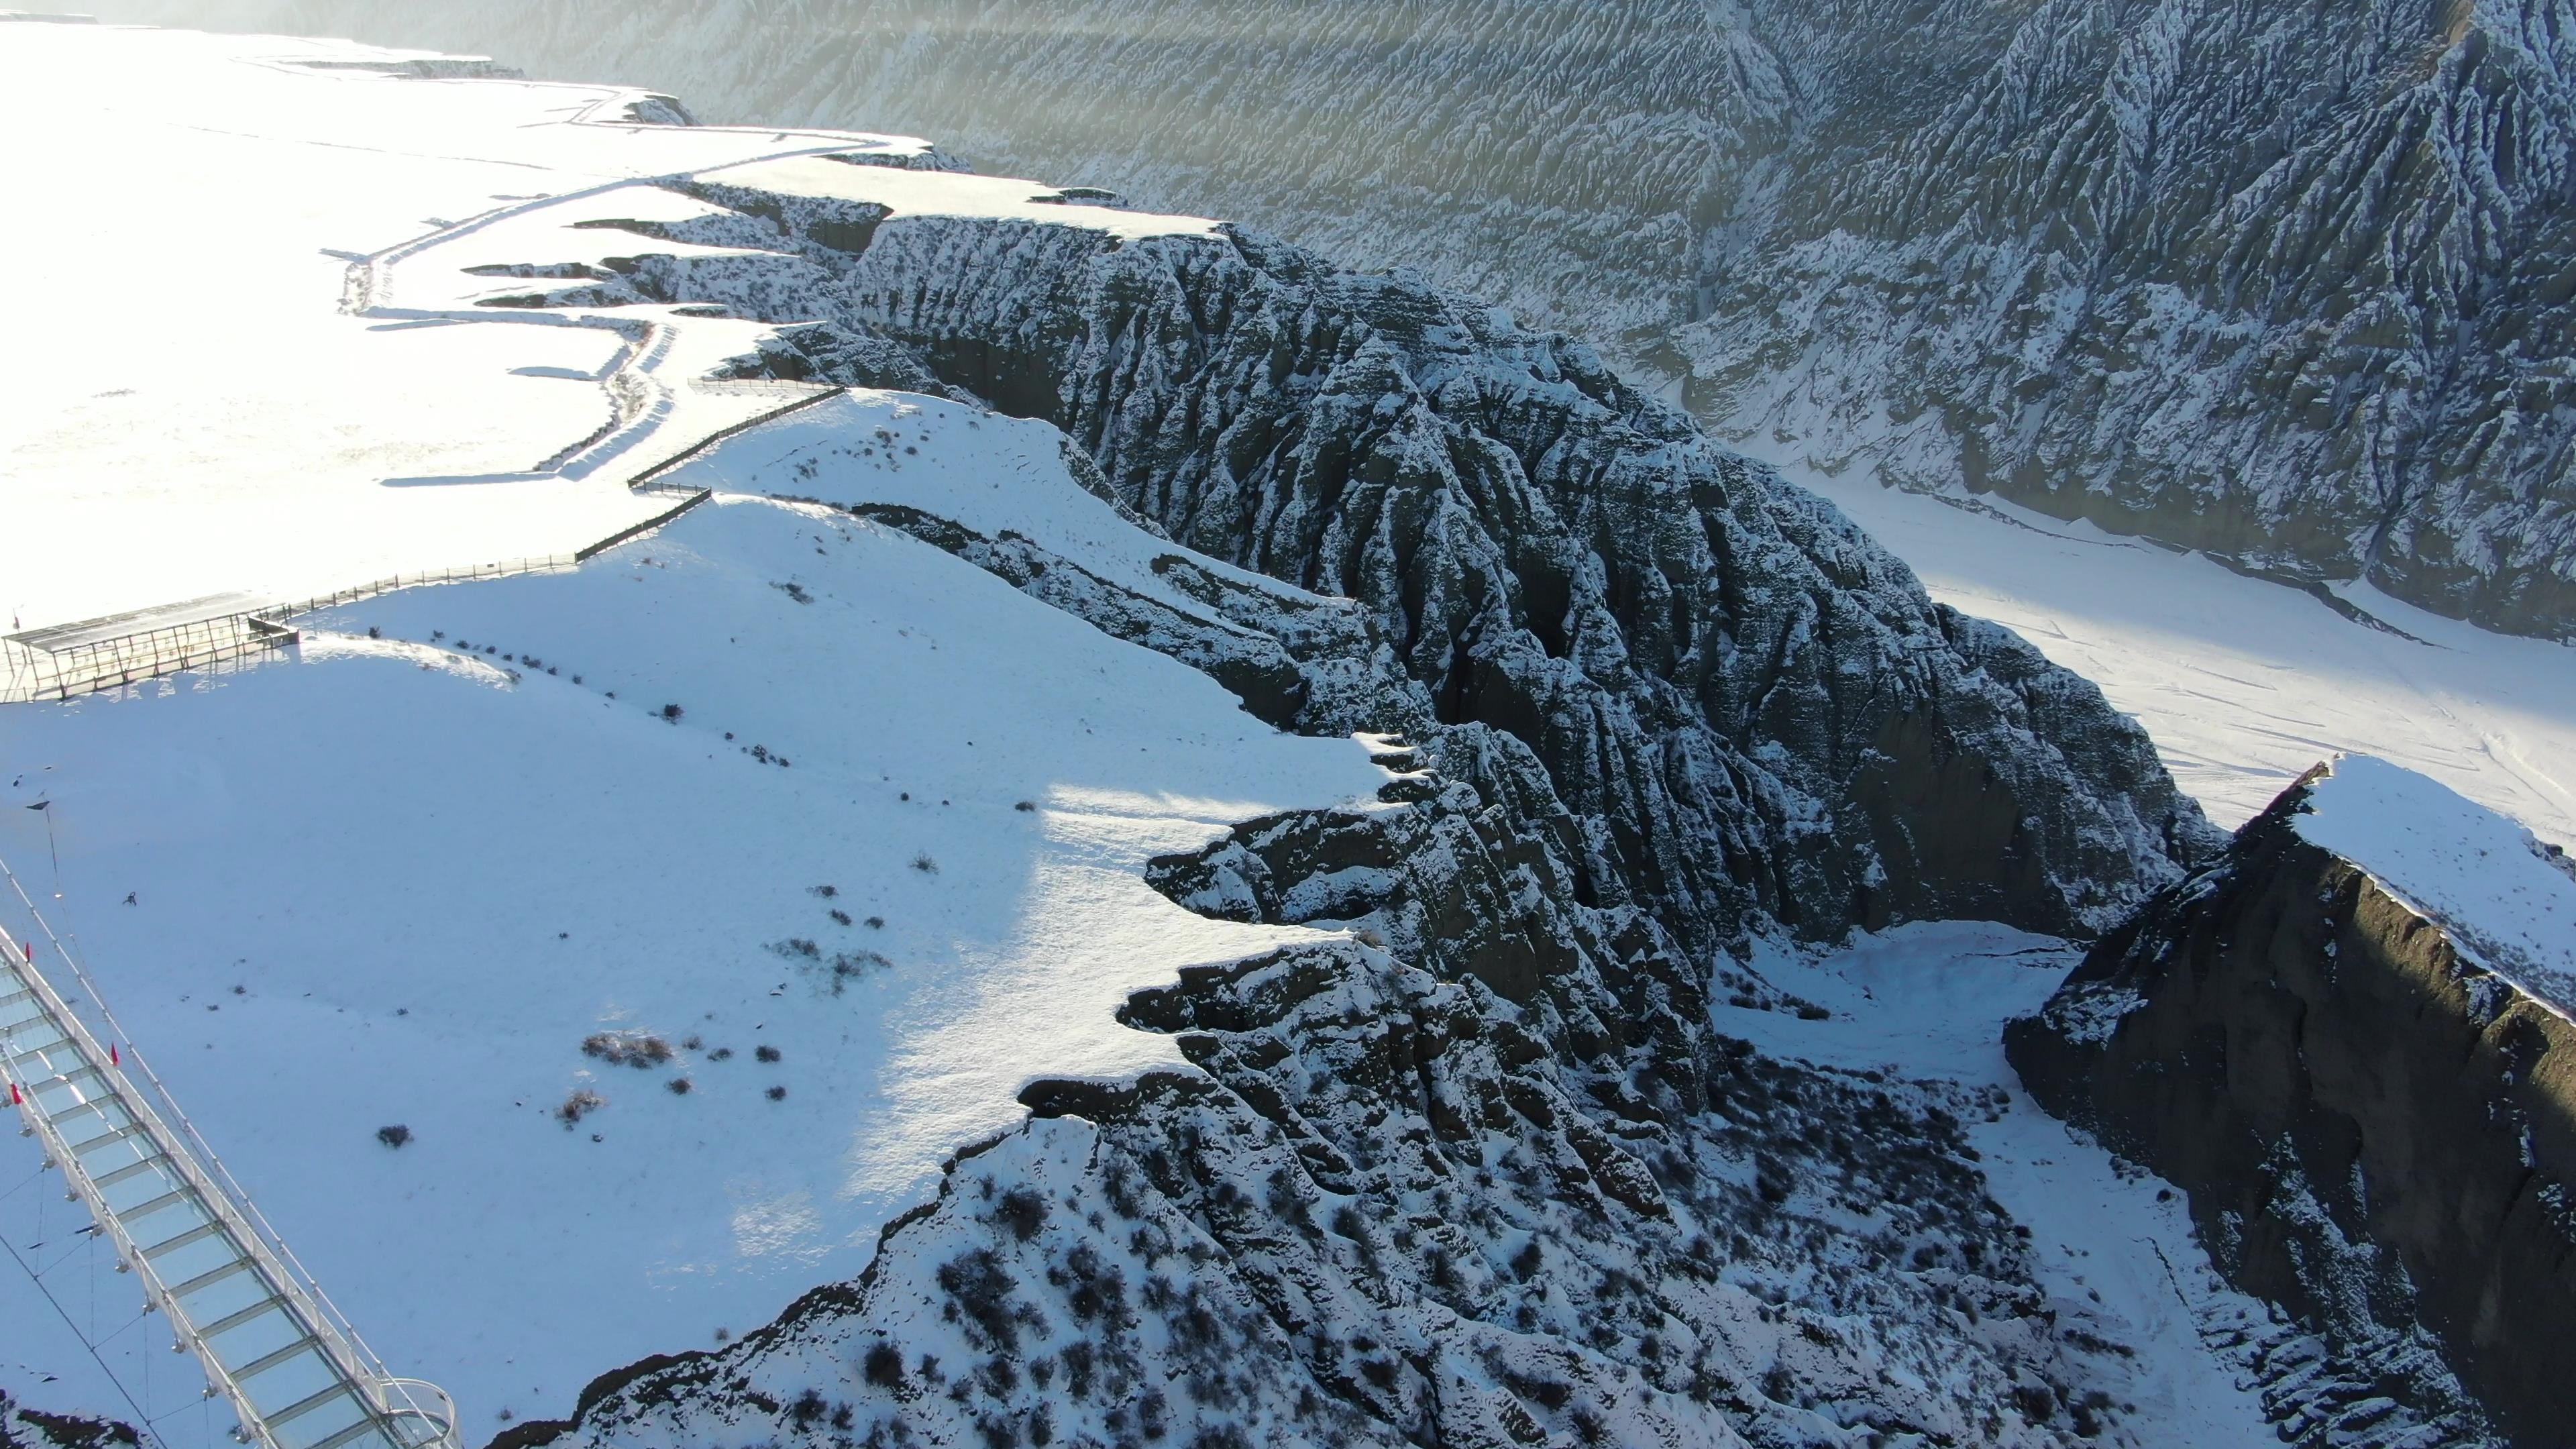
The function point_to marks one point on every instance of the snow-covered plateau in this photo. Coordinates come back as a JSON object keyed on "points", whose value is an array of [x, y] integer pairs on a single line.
{"points": [[1174, 844]]}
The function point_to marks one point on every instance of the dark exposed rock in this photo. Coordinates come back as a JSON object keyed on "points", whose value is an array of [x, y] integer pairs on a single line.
{"points": [[2374, 1131], [1398, 1206], [1482, 1174], [1752, 712], [22, 1427]]}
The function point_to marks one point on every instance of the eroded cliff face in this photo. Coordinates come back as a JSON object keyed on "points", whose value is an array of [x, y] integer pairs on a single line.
{"points": [[1753, 713], [2287, 282], [1484, 1174], [2375, 1132], [2282, 281]]}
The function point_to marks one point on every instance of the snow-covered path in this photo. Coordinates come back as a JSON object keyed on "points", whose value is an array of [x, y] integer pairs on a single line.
{"points": [[193, 411]]}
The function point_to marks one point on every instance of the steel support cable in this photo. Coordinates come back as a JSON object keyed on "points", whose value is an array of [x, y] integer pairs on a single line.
{"points": [[142, 1422]]}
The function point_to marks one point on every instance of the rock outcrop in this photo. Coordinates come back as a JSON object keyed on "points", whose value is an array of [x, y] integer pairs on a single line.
{"points": [[1525, 1196], [1483, 1173], [23, 1427], [1754, 714], [2375, 1131]]}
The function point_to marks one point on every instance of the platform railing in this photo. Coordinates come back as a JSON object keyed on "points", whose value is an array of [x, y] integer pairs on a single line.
{"points": [[33, 674]]}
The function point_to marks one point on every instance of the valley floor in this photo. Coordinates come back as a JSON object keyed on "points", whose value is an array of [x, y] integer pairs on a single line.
{"points": [[2114, 1246], [2245, 683]]}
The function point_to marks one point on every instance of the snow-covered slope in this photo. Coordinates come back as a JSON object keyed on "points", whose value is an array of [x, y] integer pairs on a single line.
{"points": [[2283, 281], [405, 880], [2508, 899], [2244, 684], [186, 240]]}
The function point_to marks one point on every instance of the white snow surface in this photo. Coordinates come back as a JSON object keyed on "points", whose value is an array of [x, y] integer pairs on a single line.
{"points": [[1928, 1002], [2500, 893], [2244, 684], [398, 881], [245, 356], [393, 880]]}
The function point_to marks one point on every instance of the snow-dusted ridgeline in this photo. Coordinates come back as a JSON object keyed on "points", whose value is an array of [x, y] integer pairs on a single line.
{"points": [[2348, 1041], [2280, 281]]}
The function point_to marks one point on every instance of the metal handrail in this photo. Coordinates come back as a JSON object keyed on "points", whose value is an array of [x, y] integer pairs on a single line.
{"points": [[204, 1172], [36, 674]]}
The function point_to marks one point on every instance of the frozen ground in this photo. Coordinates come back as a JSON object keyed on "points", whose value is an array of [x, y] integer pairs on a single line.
{"points": [[402, 880], [2510, 900], [895, 831], [2245, 684], [2114, 1247]]}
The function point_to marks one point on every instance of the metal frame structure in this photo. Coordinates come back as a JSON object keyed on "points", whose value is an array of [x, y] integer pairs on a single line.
{"points": [[294, 1370], [62, 660], [100, 654]]}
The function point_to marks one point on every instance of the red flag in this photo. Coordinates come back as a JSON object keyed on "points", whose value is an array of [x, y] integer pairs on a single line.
{"points": [[113, 1059], [14, 1098]]}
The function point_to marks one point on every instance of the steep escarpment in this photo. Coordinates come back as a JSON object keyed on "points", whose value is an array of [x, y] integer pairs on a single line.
{"points": [[2375, 1130], [1525, 1196], [1752, 711], [2285, 282], [1480, 1171], [2279, 281]]}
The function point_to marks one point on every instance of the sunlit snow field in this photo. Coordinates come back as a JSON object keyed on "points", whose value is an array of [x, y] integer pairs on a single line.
{"points": [[201, 416], [246, 356], [401, 882], [894, 829]]}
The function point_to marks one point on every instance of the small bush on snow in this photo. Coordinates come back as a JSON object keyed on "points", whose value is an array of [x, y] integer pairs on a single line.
{"points": [[627, 1048], [580, 1104], [393, 1136]]}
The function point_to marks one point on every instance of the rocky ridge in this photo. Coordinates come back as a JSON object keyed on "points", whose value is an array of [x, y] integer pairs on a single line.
{"points": [[2374, 1129], [1753, 713], [1524, 1196], [2284, 283], [1485, 1174]]}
